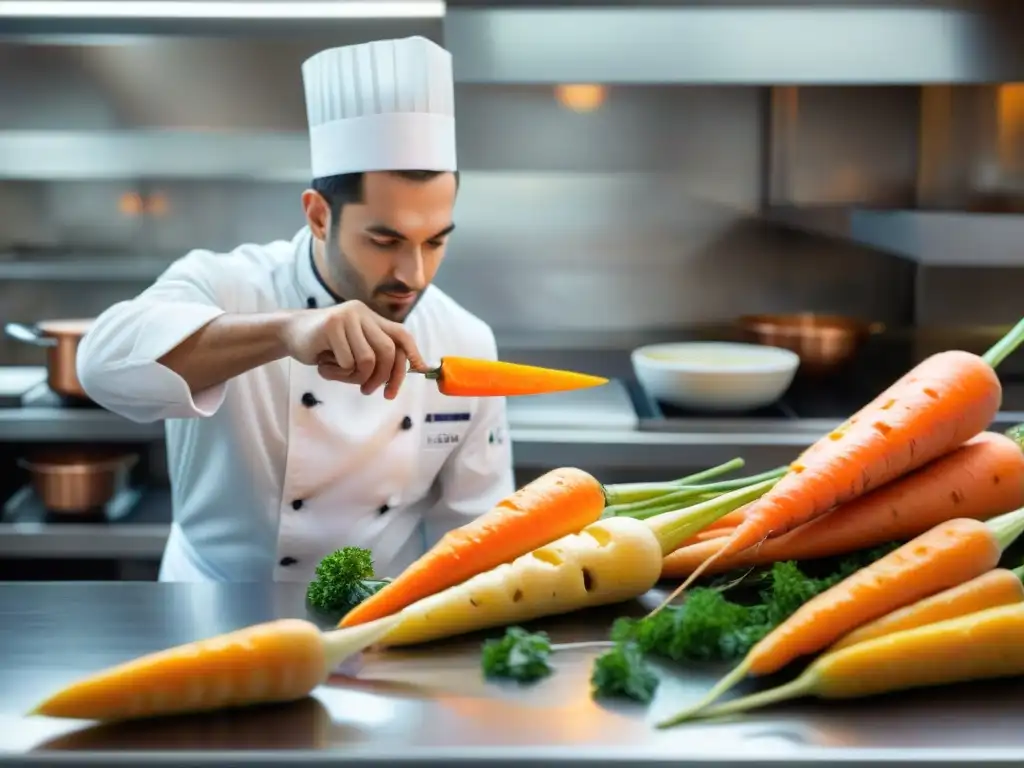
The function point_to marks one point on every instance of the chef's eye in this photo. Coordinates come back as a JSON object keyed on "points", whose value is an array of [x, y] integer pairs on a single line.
{"points": [[434, 244], [385, 245]]}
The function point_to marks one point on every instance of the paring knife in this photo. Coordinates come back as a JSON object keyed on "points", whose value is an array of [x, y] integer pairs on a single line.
{"points": [[472, 377]]}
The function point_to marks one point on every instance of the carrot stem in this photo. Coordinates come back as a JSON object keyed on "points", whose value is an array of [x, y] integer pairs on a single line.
{"points": [[677, 498], [670, 503], [627, 493], [340, 644], [795, 689], [674, 527], [722, 686], [583, 644], [1007, 528], [1003, 348]]}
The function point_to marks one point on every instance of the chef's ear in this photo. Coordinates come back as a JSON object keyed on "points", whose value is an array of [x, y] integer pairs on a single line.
{"points": [[318, 213]]}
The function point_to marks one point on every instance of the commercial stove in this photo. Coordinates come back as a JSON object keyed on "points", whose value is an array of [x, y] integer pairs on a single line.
{"points": [[818, 404]]}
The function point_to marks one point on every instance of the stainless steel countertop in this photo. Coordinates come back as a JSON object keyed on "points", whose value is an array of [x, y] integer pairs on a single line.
{"points": [[431, 706]]}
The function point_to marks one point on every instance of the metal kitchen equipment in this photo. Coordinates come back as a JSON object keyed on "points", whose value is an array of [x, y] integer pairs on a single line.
{"points": [[825, 344], [16, 381], [78, 481], [714, 376], [60, 338]]}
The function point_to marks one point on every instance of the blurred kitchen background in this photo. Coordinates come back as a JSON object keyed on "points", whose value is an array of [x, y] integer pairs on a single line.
{"points": [[632, 173]]}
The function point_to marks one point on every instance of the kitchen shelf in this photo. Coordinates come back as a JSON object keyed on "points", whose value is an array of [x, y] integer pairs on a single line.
{"points": [[141, 534], [933, 238], [533, 447], [90, 425], [86, 270], [163, 154], [943, 238], [724, 43]]}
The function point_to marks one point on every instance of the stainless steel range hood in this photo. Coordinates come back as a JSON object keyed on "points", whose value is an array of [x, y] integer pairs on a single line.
{"points": [[751, 43], [173, 89], [54, 19]]}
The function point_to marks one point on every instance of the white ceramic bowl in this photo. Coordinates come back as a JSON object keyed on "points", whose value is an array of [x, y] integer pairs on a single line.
{"points": [[715, 376]]}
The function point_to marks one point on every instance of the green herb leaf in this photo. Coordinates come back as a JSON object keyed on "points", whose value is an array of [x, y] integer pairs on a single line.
{"points": [[519, 655], [710, 627], [622, 672], [343, 580]]}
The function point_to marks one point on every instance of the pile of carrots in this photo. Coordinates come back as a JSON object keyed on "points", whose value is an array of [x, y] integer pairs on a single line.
{"points": [[914, 464]]}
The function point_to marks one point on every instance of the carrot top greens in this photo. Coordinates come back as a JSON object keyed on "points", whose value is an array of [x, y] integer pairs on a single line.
{"points": [[708, 626], [711, 627]]}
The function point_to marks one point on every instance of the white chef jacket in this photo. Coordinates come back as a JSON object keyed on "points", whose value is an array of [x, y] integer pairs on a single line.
{"points": [[277, 468]]}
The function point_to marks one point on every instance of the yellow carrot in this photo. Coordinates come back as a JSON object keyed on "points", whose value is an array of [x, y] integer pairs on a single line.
{"points": [[980, 646], [947, 555], [612, 560], [997, 587], [267, 663]]}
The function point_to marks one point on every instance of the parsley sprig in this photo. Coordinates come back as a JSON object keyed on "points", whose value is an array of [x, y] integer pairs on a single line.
{"points": [[707, 627]]}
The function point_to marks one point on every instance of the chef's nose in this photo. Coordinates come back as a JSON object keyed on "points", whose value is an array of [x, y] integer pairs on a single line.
{"points": [[409, 269]]}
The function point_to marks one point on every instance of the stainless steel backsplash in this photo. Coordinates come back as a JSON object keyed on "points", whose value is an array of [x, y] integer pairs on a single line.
{"points": [[641, 215]]}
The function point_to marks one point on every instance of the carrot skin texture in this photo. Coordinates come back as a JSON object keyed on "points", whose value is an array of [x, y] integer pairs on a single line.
{"points": [[274, 662], [984, 645], [944, 401], [470, 377], [560, 502], [949, 554], [990, 590], [980, 479]]}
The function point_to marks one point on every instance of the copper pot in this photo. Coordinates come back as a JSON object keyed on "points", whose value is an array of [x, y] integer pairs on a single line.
{"points": [[78, 481], [60, 338], [825, 343]]}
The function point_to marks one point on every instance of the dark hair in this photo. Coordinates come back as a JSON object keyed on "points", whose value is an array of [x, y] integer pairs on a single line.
{"points": [[347, 188]]}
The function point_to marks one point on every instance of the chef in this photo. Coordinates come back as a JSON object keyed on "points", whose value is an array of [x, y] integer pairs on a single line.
{"points": [[292, 426]]}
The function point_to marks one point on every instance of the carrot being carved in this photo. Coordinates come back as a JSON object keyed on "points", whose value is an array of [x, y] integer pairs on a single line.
{"points": [[469, 377]]}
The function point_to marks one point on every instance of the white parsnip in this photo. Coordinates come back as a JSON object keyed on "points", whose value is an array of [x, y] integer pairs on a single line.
{"points": [[607, 562]]}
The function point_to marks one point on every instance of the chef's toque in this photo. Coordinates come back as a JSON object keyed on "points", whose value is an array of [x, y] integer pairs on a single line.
{"points": [[388, 105]]}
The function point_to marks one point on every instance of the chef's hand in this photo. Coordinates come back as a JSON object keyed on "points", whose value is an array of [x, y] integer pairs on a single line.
{"points": [[353, 344]]}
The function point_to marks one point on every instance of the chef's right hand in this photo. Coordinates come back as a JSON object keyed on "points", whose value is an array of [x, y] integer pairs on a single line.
{"points": [[352, 344]]}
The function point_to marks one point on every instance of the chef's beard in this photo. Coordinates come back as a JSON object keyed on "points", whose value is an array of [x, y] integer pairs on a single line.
{"points": [[350, 285]]}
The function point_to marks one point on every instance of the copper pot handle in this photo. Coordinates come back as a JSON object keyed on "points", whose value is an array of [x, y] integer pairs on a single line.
{"points": [[28, 335]]}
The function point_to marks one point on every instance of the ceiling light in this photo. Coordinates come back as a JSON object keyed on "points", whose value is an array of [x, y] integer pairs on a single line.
{"points": [[580, 97], [224, 9]]}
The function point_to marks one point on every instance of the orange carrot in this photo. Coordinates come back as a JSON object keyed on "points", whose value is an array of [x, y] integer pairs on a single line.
{"points": [[945, 400], [559, 503], [949, 554], [997, 587], [267, 663], [470, 377], [731, 520], [713, 533], [984, 645], [982, 478]]}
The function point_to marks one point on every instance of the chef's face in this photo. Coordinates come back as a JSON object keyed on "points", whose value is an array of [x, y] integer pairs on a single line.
{"points": [[390, 243]]}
